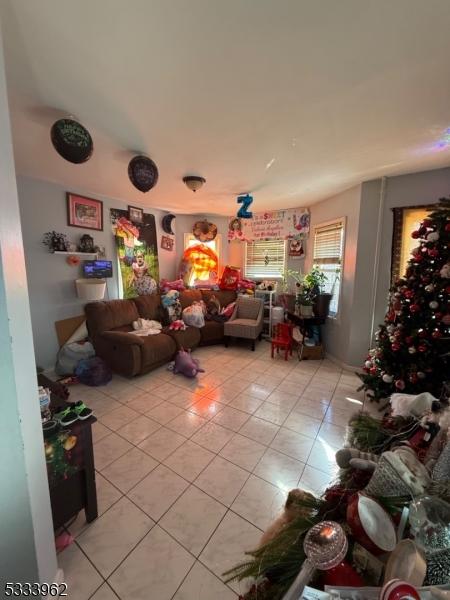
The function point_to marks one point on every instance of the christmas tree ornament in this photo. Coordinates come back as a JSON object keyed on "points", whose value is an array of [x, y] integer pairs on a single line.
{"points": [[426, 223], [415, 234], [411, 350], [421, 375], [409, 339], [445, 271], [325, 546], [446, 319], [436, 334], [414, 308], [421, 348], [396, 589], [433, 236], [371, 525], [387, 378], [400, 384], [433, 252], [368, 364], [429, 288], [447, 227], [433, 305]]}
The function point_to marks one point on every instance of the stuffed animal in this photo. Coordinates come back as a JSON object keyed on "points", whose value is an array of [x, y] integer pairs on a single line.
{"points": [[165, 285], [351, 457], [213, 306], [186, 365], [178, 325], [171, 302], [292, 509]]}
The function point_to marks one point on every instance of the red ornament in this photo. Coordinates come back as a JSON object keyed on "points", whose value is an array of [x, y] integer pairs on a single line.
{"points": [[413, 378], [395, 347], [418, 257], [433, 252], [373, 371], [400, 384], [446, 319], [409, 294], [414, 308], [409, 340], [415, 234], [423, 334], [426, 223], [447, 289], [422, 348], [436, 334], [447, 227]]}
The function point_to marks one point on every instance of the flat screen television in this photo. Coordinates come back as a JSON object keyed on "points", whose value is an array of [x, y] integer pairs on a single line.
{"points": [[97, 269]]}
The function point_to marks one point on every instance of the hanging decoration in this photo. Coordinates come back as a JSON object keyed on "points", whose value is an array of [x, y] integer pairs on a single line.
{"points": [[143, 173], [292, 223], [137, 252], [204, 231], [166, 224], [243, 212], [71, 140]]}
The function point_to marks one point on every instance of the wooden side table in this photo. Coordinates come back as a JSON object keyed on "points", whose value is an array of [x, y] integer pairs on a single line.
{"points": [[70, 467]]}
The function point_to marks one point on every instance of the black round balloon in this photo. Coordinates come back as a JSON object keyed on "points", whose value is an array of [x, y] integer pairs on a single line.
{"points": [[167, 223], [143, 173], [72, 141]]}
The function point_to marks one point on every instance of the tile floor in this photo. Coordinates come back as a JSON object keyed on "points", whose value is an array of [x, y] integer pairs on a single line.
{"points": [[190, 473]]}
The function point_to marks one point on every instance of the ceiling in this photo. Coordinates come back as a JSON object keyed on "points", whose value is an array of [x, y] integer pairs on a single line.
{"points": [[291, 100]]}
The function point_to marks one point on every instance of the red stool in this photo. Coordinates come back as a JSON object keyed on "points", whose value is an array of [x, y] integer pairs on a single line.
{"points": [[282, 338]]}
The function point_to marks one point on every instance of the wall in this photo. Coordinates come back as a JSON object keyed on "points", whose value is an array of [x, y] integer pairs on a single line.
{"points": [[336, 332], [27, 550], [50, 278]]}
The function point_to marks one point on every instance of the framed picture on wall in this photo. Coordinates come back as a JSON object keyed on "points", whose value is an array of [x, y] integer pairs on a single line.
{"points": [[135, 214], [86, 213], [166, 243]]}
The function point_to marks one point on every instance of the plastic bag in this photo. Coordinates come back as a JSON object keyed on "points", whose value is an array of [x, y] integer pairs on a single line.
{"points": [[69, 356], [93, 371], [230, 278], [194, 315]]}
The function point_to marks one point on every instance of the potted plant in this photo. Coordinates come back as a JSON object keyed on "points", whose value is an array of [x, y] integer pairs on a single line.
{"points": [[315, 280], [306, 300], [291, 286]]}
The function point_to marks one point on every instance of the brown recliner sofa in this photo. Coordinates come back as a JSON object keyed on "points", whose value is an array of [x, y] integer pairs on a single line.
{"points": [[110, 324]]}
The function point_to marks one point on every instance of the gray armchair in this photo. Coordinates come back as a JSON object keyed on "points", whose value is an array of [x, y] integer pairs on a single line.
{"points": [[246, 320]]}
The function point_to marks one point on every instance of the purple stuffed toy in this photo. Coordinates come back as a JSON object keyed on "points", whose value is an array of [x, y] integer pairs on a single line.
{"points": [[186, 365]]}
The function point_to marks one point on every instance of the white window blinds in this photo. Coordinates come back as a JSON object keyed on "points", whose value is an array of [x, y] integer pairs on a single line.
{"points": [[328, 243], [328, 254], [265, 259]]}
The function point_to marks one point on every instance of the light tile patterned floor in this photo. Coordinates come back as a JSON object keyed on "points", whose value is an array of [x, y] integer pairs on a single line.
{"points": [[190, 472]]}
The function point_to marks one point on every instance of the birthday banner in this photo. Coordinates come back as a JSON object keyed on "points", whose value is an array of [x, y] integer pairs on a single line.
{"points": [[270, 225]]}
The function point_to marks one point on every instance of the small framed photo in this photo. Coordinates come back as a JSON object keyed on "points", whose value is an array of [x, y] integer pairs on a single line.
{"points": [[135, 214], [166, 243], [86, 213]]}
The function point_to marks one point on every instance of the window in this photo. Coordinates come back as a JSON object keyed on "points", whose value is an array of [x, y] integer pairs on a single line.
{"points": [[215, 245], [265, 259], [328, 251]]}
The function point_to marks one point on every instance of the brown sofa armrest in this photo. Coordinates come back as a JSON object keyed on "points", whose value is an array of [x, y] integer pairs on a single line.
{"points": [[122, 337]]}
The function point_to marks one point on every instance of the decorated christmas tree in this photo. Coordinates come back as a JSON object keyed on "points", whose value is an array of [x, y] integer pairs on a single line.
{"points": [[413, 344]]}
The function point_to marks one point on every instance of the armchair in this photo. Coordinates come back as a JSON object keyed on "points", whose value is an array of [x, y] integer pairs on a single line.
{"points": [[246, 321]]}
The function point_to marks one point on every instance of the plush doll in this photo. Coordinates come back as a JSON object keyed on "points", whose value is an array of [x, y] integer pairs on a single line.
{"points": [[186, 365], [171, 302], [213, 306], [178, 325], [292, 509]]}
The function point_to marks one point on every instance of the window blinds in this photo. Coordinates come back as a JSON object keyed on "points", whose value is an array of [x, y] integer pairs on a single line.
{"points": [[265, 259], [328, 243]]}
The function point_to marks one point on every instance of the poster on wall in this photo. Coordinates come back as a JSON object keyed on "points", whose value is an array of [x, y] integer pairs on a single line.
{"points": [[137, 252], [270, 225], [296, 248]]}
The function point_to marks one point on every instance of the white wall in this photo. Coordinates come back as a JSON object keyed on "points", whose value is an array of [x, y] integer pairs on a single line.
{"points": [[27, 550], [50, 278], [336, 332]]}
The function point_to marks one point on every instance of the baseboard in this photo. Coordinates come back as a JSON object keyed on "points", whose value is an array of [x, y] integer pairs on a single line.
{"points": [[59, 577], [342, 364]]}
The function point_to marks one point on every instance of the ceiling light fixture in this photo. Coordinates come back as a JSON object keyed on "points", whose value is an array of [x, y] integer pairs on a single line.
{"points": [[194, 182]]}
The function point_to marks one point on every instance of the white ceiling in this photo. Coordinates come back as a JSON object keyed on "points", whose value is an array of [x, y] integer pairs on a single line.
{"points": [[293, 100]]}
